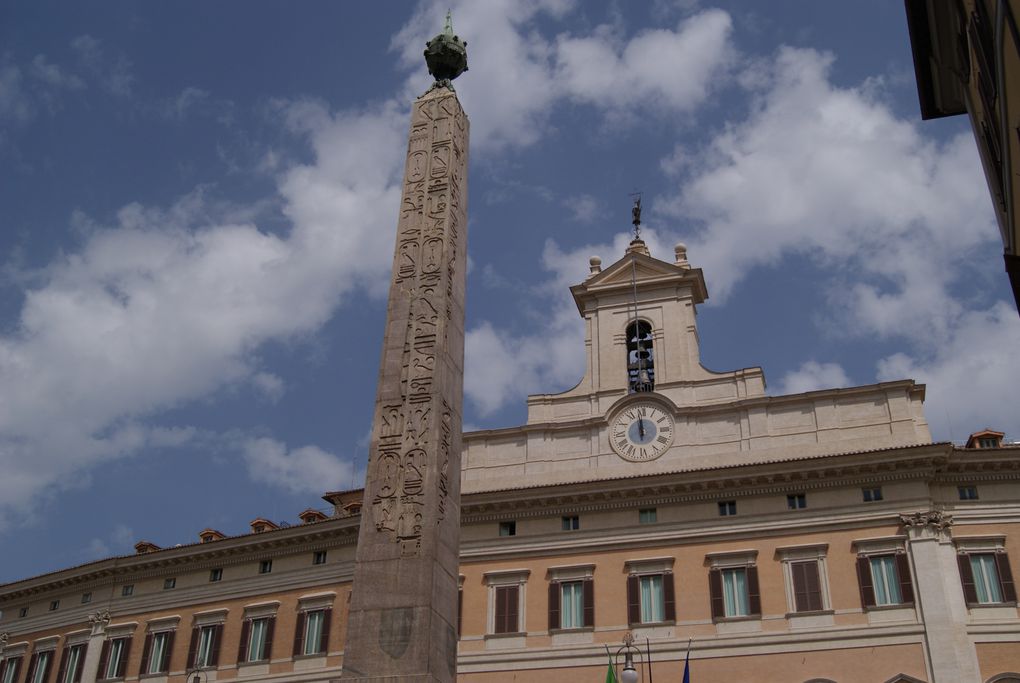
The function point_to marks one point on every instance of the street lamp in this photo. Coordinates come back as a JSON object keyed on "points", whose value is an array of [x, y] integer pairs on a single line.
{"points": [[629, 673], [196, 675]]}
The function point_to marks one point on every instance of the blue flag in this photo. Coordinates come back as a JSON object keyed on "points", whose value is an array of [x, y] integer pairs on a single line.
{"points": [[687, 667]]}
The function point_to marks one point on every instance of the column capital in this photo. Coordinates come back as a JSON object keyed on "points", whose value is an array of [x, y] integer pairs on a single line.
{"points": [[4, 637], [99, 621], [927, 524]]}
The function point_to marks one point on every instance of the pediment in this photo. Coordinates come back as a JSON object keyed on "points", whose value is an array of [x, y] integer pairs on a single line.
{"points": [[634, 266]]}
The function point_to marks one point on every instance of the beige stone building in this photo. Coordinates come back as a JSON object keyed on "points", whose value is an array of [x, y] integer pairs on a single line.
{"points": [[813, 537]]}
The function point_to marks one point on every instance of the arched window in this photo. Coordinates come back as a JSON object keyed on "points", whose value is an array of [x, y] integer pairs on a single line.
{"points": [[640, 357]]}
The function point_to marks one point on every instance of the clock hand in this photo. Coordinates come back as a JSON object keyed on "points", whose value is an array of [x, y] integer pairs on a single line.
{"points": [[641, 427]]}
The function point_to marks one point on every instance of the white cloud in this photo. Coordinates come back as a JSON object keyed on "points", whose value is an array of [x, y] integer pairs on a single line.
{"points": [[973, 380], [526, 72], [813, 375], [170, 305], [272, 386], [308, 469], [15, 104], [583, 207], [112, 72], [54, 76]]}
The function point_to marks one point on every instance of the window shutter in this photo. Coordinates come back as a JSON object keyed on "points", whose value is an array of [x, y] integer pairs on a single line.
{"points": [[460, 612], [268, 652], [1005, 577], [104, 658], [669, 597], [807, 589], [865, 581], [299, 634], [46, 669], [554, 605], [242, 647], [217, 636], [125, 652], [327, 616], [193, 646], [903, 574], [146, 651], [967, 579], [715, 591], [33, 661], [81, 665], [62, 670], [588, 587], [164, 666], [633, 599], [512, 599], [12, 663], [753, 592]]}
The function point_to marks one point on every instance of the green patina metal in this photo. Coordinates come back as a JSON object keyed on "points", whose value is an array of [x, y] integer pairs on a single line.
{"points": [[446, 56]]}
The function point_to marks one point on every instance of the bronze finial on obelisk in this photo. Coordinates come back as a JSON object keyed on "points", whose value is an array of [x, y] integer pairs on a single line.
{"points": [[403, 612]]}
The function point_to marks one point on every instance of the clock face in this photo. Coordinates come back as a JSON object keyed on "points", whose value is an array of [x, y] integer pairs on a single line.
{"points": [[641, 432]]}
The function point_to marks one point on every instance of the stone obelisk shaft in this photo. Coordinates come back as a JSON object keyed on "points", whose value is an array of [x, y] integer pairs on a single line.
{"points": [[403, 613]]}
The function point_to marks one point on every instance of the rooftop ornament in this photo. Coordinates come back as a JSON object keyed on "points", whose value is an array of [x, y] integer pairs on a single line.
{"points": [[446, 56]]}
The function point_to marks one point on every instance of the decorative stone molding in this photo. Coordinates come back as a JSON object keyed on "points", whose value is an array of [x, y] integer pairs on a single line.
{"points": [[932, 523], [4, 637], [99, 621]]}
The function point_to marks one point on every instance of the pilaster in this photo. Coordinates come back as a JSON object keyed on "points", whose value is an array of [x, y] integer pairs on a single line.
{"points": [[93, 651]]}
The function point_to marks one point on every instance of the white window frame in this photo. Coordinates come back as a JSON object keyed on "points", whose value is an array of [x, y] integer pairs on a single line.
{"points": [[49, 652], [652, 566], [816, 552], [570, 574], [735, 559], [311, 604], [984, 545], [498, 579]]}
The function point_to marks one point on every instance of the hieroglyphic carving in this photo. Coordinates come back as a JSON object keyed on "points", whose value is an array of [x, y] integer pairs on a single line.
{"points": [[410, 439]]}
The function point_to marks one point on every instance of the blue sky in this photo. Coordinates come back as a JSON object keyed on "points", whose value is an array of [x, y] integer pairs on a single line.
{"points": [[198, 201]]}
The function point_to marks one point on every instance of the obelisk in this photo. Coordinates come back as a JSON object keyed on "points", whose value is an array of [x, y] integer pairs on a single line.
{"points": [[402, 622]]}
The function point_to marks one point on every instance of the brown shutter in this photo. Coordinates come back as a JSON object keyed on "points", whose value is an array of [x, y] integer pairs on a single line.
{"points": [[669, 597], [217, 636], [13, 663], [1005, 577], [633, 599], [193, 646], [327, 616], [967, 579], [865, 581], [242, 647], [588, 590], [124, 654], [164, 666], [104, 658], [33, 662], [299, 634], [146, 651], [554, 605], [81, 665], [62, 670], [512, 618], [807, 591], [715, 591], [460, 612], [903, 574], [753, 592], [267, 652], [46, 669]]}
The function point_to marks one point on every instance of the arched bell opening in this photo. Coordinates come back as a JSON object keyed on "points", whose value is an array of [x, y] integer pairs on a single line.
{"points": [[640, 357]]}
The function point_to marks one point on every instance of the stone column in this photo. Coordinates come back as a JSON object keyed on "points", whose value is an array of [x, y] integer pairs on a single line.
{"points": [[403, 613], [952, 657], [90, 669]]}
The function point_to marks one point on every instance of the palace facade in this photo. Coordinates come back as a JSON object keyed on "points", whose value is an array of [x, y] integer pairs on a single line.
{"points": [[817, 537]]}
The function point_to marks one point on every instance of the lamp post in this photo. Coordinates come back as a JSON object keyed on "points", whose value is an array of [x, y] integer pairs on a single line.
{"points": [[629, 674], [196, 675]]}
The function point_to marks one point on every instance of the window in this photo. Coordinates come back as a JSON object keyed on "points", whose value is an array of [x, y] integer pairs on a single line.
{"points": [[311, 635], [126, 591], [988, 442], [215, 575], [651, 598], [204, 650], [319, 557], [256, 640], [640, 357], [648, 516], [265, 566], [23, 612], [570, 523], [872, 495], [508, 528], [169, 583], [113, 659], [9, 669], [733, 585], [967, 492], [987, 578], [796, 501], [727, 508], [885, 580], [39, 667], [806, 577], [71, 662], [506, 601], [571, 597], [156, 653], [54, 605], [86, 598], [807, 589]]}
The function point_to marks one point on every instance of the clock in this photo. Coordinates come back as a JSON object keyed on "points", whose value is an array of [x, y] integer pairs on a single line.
{"points": [[642, 431]]}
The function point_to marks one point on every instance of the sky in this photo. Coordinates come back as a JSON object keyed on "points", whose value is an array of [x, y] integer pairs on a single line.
{"points": [[198, 203]]}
